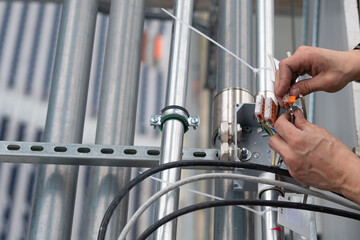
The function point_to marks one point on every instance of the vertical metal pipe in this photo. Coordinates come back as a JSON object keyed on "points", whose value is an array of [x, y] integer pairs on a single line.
{"points": [[271, 230], [265, 45], [56, 185], [234, 86], [305, 22], [173, 130], [117, 112], [315, 43], [235, 33]]}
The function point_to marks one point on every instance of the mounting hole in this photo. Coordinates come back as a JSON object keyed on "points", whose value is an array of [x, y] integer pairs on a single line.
{"points": [[60, 149], [199, 154], [153, 152], [83, 150], [107, 151], [13, 147], [36, 148], [130, 151]]}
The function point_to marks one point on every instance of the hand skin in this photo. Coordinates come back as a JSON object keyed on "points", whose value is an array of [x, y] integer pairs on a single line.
{"points": [[314, 157], [330, 70]]}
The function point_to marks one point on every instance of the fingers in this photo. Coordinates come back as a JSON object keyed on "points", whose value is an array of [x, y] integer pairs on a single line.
{"points": [[286, 129], [300, 121], [306, 86], [291, 68], [279, 145]]}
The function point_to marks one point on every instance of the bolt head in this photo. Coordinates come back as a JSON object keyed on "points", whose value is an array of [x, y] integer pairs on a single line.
{"points": [[154, 119], [194, 120]]}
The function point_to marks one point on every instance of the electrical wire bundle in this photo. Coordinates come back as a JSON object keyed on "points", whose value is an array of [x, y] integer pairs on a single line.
{"points": [[210, 204]]}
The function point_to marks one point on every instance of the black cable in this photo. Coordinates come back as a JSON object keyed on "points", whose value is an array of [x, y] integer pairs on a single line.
{"points": [[270, 203], [186, 163]]}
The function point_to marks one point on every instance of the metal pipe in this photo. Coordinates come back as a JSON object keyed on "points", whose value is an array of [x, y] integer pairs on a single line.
{"points": [[234, 86], [117, 112], [271, 230], [235, 33], [315, 43], [53, 206], [265, 46], [173, 130], [305, 22]]}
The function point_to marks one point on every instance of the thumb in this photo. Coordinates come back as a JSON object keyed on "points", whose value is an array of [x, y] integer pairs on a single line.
{"points": [[306, 86], [300, 121]]}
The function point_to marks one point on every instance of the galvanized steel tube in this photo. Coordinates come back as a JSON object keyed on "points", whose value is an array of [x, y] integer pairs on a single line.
{"points": [[117, 112], [56, 185], [265, 46], [173, 130], [235, 33], [235, 83]]}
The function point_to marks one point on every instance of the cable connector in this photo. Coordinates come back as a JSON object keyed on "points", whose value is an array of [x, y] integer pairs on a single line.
{"points": [[259, 107], [270, 111]]}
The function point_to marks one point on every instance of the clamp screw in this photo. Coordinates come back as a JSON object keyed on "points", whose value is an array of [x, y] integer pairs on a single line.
{"points": [[194, 120], [154, 119]]}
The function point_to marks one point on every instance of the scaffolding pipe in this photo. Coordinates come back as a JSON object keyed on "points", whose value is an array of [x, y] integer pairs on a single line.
{"points": [[235, 33], [54, 197], [173, 130], [271, 230], [265, 46], [235, 86], [117, 112]]}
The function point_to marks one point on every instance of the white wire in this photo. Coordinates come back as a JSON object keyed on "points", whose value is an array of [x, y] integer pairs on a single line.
{"points": [[255, 70], [260, 213], [233, 176]]}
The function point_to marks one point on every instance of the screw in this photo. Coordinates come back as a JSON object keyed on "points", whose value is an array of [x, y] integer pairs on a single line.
{"points": [[244, 153], [256, 155], [194, 120], [154, 119]]}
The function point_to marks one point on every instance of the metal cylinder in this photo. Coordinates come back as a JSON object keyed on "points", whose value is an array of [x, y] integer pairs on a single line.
{"points": [[235, 83], [173, 130], [117, 112], [56, 185], [265, 46], [235, 33], [224, 107], [271, 230]]}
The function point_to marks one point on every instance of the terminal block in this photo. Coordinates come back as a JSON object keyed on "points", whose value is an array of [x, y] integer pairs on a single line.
{"points": [[289, 100], [270, 111], [259, 107], [265, 109]]}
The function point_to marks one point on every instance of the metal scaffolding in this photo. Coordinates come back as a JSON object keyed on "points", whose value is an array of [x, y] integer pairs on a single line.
{"points": [[236, 135]]}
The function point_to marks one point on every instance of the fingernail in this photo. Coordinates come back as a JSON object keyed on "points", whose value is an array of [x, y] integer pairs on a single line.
{"points": [[295, 92]]}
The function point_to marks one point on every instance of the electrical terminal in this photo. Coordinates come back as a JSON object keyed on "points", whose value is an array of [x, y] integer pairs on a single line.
{"points": [[259, 107], [289, 100], [270, 111]]}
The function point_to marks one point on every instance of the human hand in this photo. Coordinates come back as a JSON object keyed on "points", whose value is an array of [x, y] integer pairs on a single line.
{"points": [[330, 71], [314, 157]]}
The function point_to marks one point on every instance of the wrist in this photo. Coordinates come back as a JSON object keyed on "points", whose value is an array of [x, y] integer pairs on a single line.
{"points": [[354, 64], [351, 187]]}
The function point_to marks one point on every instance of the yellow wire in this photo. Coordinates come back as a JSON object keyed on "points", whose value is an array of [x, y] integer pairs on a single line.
{"points": [[273, 158]]}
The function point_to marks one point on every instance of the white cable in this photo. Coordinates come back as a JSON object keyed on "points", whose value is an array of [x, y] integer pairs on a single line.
{"points": [[233, 176], [255, 70], [260, 213]]}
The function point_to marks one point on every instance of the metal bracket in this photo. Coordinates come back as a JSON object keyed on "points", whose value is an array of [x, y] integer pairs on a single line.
{"points": [[94, 155], [175, 112]]}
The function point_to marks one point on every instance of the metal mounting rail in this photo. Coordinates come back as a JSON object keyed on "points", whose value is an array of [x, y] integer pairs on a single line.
{"points": [[94, 155]]}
